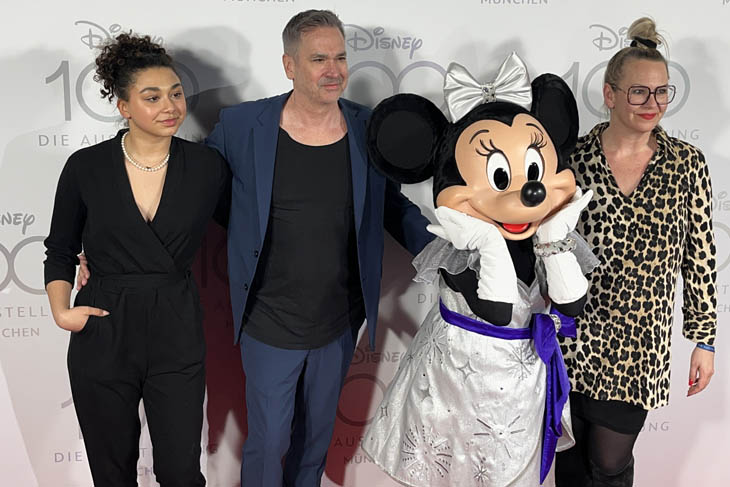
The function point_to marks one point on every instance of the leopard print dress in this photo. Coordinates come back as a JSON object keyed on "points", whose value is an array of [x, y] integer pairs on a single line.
{"points": [[642, 241]]}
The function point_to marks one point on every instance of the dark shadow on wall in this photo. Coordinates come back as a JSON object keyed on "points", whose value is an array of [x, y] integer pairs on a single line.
{"points": [[213, 80], [224, 375]]}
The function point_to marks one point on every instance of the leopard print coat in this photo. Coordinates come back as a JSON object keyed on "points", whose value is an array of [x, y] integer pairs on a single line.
{"points": [[642, 242]]}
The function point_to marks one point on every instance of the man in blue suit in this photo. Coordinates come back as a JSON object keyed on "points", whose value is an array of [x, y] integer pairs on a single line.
{"points": [[305, 247]]}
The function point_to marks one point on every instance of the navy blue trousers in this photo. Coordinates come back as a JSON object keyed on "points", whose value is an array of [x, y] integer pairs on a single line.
{"points": [[291, 397]]}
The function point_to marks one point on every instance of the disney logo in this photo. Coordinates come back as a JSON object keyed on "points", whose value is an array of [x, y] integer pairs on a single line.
{"points": [[362, 39], [720, 202], [11, 257], [24, 220], [722, 233], [351, 412], [362, 356], [609, 39], [96, 35]]}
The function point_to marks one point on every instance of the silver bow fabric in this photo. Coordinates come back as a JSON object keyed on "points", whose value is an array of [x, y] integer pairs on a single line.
{"points": [[462, 92]]}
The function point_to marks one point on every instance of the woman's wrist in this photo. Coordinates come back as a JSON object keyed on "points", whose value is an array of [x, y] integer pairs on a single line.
{"points": [[707, 347]]}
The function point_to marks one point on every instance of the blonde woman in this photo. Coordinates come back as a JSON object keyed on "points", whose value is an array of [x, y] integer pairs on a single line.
{"points": [[649, 220]]}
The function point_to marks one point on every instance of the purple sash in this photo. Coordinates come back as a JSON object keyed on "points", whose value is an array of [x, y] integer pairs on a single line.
{"points": [[543, 330]]}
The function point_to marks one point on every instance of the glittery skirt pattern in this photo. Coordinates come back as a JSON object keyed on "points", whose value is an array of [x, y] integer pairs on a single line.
{"points": [[465, 409]]}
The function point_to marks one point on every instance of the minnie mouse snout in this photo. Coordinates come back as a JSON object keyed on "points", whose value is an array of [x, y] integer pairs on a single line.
{"points": [[532, 193]]}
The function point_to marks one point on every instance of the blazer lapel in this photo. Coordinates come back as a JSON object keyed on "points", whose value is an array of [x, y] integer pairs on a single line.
{"points": [[358, 158], [265, 136]]}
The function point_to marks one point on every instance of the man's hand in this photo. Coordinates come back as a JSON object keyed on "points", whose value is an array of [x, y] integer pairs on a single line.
{"points": [[83, 275]]}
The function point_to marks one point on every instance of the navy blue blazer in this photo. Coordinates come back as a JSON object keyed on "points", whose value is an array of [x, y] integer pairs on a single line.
{"points": [[246, 136]]}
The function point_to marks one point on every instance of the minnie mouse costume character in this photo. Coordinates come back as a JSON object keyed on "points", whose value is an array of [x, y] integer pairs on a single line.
{"points": [[479, 397]]}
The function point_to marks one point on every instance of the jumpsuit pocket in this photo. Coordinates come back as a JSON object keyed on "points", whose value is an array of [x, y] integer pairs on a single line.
{"points": [[85, 297], [88, 297], [87, 326], [91, 322]]}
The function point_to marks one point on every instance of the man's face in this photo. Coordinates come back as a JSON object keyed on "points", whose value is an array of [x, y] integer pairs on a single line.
{"points": [[318, 69]]}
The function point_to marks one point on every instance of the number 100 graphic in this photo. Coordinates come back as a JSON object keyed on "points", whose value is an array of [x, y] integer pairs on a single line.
{"points": [[64, 74]]}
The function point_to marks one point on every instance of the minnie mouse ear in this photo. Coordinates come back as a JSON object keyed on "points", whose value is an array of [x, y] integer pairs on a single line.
{"points": [[554, 105], [402, 134]]}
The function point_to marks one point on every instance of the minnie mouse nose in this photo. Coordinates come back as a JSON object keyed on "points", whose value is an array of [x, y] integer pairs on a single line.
{"points": [[533, 193]]}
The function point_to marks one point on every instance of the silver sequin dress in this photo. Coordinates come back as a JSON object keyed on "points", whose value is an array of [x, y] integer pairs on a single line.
{"points": [[464, 409]]}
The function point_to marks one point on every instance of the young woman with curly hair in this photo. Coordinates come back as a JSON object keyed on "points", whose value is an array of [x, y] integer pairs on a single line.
{"points": [[138, 206]]}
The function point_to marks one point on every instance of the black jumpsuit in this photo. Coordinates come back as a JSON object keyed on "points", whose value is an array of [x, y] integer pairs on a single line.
{"points": [[151, 345]]}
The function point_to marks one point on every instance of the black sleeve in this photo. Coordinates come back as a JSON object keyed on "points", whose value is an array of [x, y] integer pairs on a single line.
{"points": [[494, 312], [223, 208], [404, 221], [63, 243], [572, 309]]}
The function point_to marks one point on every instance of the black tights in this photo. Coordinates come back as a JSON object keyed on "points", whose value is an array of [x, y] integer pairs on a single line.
{"points": [[598, 455]]}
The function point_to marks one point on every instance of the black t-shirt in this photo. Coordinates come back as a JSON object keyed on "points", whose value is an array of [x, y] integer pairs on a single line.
{"points": [[306, 291]]}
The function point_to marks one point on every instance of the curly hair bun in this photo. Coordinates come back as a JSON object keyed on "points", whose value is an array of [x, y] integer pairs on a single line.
{"points": [[121, 58]]}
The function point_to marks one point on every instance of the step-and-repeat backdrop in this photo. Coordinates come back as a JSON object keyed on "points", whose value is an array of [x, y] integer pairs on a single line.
{"points": [[229, 51]]}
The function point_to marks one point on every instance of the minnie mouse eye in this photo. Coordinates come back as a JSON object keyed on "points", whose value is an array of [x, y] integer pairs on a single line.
{"points": [[534, 165], [498, 171]]}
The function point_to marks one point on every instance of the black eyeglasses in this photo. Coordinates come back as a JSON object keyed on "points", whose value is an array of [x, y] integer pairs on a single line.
{"points": [[639, 94]]}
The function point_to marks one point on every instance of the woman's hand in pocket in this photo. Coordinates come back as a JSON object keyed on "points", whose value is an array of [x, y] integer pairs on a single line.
{"points": [[75, 319]]}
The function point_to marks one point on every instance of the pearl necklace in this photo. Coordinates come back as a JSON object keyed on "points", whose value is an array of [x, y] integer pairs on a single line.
{"points": [[140, 166]]}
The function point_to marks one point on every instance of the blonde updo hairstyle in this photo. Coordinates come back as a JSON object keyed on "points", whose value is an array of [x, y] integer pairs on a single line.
{"points": [[644, 43]]}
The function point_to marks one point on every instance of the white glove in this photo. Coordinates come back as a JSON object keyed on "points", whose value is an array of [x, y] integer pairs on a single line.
{"points": [[566, 282], [558, 226], [497, 278]]}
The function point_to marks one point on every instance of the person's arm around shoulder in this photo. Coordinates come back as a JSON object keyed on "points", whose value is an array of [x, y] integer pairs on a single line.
{"points": [[404, 221], [401, 217], [223, 208], [699, 274], [217, 138]]}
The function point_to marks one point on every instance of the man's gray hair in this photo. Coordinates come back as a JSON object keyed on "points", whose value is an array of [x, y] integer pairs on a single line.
{"points": [[304, 22]]}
